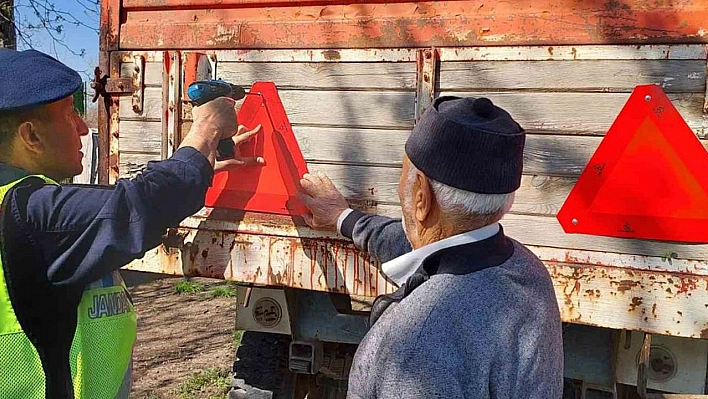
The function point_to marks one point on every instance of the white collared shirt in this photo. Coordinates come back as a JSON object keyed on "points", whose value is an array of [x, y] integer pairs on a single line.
{"points": [[399, 269]]}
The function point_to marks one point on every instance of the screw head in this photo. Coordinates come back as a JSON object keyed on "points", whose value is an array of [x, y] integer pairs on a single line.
{"points": [[647, 98], [574, 221]]}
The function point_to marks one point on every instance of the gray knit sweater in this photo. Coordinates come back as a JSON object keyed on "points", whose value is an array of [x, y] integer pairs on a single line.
{"points": [[494, 333]]}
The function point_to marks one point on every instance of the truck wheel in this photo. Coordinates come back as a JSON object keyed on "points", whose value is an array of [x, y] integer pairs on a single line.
{"points": [[261, 368]]}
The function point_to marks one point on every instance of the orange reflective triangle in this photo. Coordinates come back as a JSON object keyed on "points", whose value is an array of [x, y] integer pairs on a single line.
{"points": [[648, 178], [273, 187]]}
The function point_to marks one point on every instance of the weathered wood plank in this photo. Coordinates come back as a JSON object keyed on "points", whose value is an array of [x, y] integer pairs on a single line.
{"points": [[152, 106], [587, 113], [132, 163], [350, 108], [351, 145], [358, 75], [136, 136], [325, 55], [153, 73], [546, 231], [575, 53], [490, 53], [597, 76]]}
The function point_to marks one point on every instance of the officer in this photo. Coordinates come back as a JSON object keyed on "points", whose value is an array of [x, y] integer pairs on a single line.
{"points": [[67, 325]]}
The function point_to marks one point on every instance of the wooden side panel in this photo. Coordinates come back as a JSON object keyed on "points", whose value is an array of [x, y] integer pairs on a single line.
{"points": [[674, 76]]}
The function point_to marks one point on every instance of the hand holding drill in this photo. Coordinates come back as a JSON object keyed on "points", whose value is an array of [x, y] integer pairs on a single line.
{"points": [[227, 154]]}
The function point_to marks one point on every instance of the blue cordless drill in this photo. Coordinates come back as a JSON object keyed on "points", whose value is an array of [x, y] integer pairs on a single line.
{"points": [[203, 91]]}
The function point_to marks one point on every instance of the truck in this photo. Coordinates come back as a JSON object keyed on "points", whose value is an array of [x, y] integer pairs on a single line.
{"points": [[353, 77]]}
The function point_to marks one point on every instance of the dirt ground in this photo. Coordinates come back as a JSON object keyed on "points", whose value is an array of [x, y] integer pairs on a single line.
{"points": [[185, 345]]}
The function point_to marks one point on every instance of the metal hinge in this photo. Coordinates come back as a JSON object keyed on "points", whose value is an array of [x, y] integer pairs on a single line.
{"points": [[427, 75], [105, 87]]}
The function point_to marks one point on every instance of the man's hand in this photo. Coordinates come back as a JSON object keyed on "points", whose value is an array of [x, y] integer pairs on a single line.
{"points": [[213, 121], [218, 114], [242, 136], [324, 201]]}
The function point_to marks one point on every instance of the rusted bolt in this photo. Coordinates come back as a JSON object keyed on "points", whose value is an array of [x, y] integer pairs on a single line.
{"points": [[137, 68], [120, 86], [426, 78], [428, 55], [116, 134], [136, 108], [575, 222], [647, 98]]}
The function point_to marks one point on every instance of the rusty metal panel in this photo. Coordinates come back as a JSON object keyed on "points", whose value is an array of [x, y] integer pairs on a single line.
{"points": [[251, 24], [657, 295], [267, 260], [109, 25], [656, 302], [161, 4]]}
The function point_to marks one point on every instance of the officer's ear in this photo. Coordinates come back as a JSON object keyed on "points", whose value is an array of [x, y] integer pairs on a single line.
{"points": [[28, 137]]}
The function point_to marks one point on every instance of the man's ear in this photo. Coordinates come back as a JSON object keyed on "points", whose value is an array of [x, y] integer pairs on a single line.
{"points": [[422, 197], [28, 138]]}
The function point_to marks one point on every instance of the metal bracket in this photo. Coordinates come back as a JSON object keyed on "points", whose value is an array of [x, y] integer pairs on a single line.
{"points": [[104, 86], [138, 78], [426, 61], [643, 366]]}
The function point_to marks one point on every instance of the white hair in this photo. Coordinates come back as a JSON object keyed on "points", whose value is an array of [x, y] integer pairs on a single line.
{"points": [[455, 201]]}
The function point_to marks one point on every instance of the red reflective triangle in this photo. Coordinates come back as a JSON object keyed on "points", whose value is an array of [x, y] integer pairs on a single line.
{"points": [[648, 178], [273, 187]]}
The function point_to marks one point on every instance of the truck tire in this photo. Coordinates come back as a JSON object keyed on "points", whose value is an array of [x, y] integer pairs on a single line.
{"points": [[261, 368]]}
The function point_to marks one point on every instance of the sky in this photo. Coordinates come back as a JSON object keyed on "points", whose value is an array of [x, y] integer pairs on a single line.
{"points": [[74, 38]]}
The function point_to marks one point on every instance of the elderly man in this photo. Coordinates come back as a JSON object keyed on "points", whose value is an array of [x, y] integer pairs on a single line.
{"points": [[475, 315]]}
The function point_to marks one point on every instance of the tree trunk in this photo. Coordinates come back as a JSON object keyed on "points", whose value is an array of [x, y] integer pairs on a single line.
{"points": [[7, 28]]}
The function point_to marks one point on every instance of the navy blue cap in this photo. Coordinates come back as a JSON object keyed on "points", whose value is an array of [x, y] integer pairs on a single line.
{"points": [[30, 78], [468, 143]]}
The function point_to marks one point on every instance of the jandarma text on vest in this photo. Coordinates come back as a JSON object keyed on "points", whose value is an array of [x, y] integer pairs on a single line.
{"points": [[111, 304]]}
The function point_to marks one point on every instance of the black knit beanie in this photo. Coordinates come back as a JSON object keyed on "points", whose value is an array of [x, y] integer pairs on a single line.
{"points": [[470, 144]]}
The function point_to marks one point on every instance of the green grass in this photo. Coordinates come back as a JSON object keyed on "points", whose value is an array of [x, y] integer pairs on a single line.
{"points": [[222, 291], [189, 287], [213, 381], [237, 335]]}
